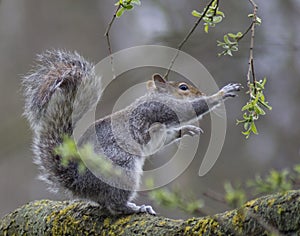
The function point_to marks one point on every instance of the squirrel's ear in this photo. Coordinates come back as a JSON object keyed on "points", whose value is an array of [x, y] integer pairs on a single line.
{"points": [[158, 78], [156, 82]]}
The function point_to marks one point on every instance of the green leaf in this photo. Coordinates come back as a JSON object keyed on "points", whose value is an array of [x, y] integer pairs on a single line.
{"points": [[81, 168], [217, 19], [247, 106], [274, 181], [226, 40], [149, 182], [264, 81], [259, 110], [253, 128], [246, 116], [219, 43], [220, 13], [235, 197], [128, 7], [231, 35], [262, 97], [297, 168], [136, 2], [246, 125], [246, 133], [234, 48], [206, 27], [207, 20], [196, 13], [194, 206], [258, 20], [120, 12], [239, 34]]}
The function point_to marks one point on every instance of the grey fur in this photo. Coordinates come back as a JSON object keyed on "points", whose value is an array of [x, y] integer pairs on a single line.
{"points": [[63, 87]]}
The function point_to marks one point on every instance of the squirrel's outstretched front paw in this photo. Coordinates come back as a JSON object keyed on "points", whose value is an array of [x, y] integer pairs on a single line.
{"points": [[230, 89], [190, 130]]}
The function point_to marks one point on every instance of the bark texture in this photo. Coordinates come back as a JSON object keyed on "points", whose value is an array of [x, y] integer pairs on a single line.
{"points": [[277, 214]]}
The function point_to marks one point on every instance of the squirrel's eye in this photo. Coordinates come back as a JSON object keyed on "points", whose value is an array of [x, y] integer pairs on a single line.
{"points": [[183, 87]]}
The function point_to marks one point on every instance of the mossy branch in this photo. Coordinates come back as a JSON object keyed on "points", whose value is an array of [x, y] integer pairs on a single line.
{"points": [[277, 214]]}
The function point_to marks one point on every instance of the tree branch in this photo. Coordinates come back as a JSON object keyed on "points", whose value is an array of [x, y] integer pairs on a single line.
{"points": [[277, 214]]}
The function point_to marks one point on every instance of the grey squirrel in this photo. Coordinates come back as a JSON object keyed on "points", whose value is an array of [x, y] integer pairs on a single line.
{"points": [[63, 87]]}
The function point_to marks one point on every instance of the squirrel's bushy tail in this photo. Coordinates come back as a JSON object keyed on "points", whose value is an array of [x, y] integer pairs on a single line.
{"points": [[58, 92]]}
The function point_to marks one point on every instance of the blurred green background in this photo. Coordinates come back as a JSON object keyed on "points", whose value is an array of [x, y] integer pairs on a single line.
{"points": [[33, 26]]}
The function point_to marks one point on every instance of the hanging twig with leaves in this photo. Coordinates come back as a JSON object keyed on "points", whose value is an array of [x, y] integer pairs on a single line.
{"points": [[257, 102], [254, 107], [121, 7]]}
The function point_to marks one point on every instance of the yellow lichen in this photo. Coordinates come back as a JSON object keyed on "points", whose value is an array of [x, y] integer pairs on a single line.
{"points": [[67, 221], [238, 220], [123, 220], [271, 202], [250, 203], [161, 223], [206, 225], [106, 222], [187, 229]]}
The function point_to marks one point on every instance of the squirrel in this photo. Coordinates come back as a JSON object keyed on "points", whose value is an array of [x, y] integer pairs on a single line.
{"points": [[63, 87]]}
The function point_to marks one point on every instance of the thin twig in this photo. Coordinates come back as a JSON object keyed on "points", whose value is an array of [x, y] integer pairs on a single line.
{"points": [[251, 57], [216, 9], [215, 196], [246, 32], [187, 37], [106, 34]]}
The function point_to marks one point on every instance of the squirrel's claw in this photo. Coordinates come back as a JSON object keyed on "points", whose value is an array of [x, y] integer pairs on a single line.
{"points": [[141, 209], [230, 89], [190, 130], [147, 209]]}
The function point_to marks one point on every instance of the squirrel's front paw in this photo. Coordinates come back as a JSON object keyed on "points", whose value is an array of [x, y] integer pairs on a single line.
{"points": [[230, 89], [190, 130]]}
